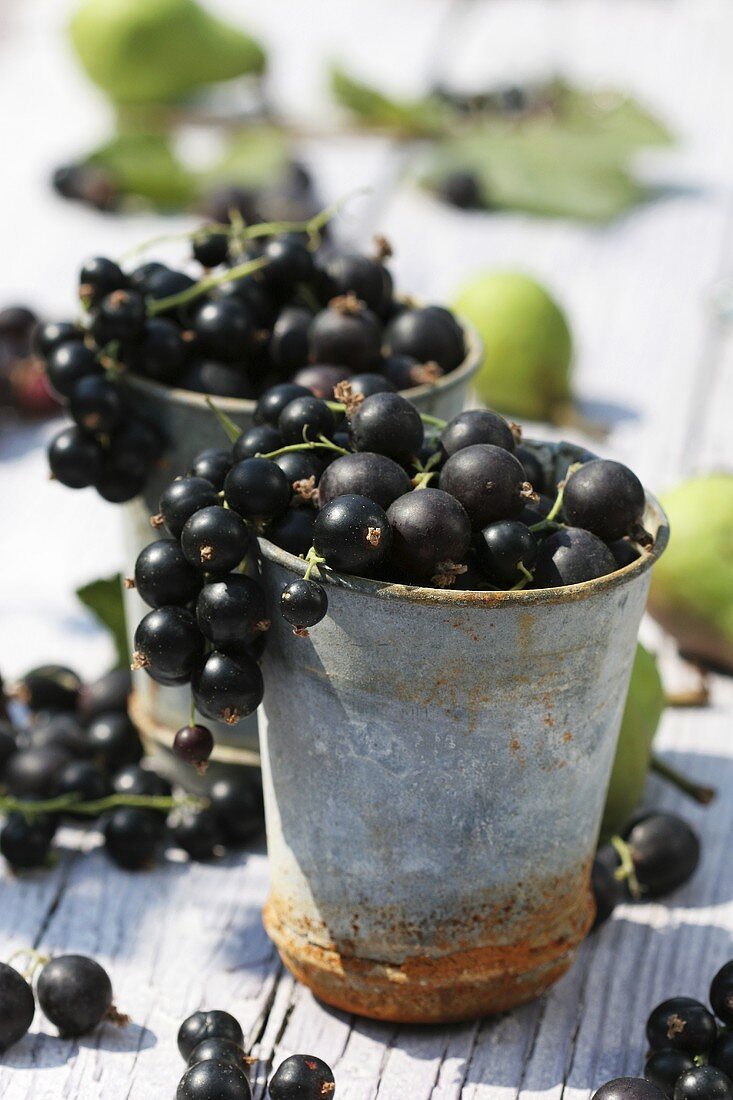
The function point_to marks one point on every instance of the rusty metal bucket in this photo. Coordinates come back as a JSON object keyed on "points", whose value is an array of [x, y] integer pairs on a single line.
{"points": [[435, 765], [190, 426]]}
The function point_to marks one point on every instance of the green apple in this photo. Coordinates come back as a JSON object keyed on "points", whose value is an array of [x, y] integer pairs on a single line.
{"points": [[691, 594], [643, 710], [527, 344], [158, 51]]}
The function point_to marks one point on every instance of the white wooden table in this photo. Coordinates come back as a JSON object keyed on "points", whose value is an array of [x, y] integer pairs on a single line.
{"points": [[649, 346]]}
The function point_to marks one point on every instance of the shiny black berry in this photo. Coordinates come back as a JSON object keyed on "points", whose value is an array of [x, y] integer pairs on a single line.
{"points": [[227, 688], [46, 338], [35, 773], [289, 261], [182, 498], [288, 347], [193, 744], [503, 547], [628, 1088], [74, 993], [164, 576], [215, 540], [113, 740], [98, 278], [429, 528], [96, 405], [133, 779], [237, 803], [69, 363], [259, 439], [370, 383], [606, 891], [665, 851], [225, 330], [721, 1054], [257, 488], [572, 556], [160, 353], [487, 480], [366, 474], [322, 379], [353, 273], [132, 836], [293, 531], [196, 832], [219, 1050], [533, 468], [721, 993], [212, 464], [352, 533], [51, 687], [604, 497], [387, 424], [17, 1006], [213, 1024], [135, 448], [232, 611], [273, 401], [305, 419], [110, 692], [214, 1080], [303, 470], [428, 334], [85, 780], [75, 458], [683, 1024], [663, 1067], [703, 1083], [303, 603], [211, 249], [347, 333], [168, 644], [476, 426], [25, 843], [120, 317], [302, 1077]]}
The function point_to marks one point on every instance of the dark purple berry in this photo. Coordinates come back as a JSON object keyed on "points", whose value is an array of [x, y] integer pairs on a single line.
{"points": [[17, 1006], [430, 528], [215, 540], [302, 1077], [604, 497], [364, 474], [572, 556], [387, 424], [476, 426], [193, 745], [257, 489], [168, 644], [74, 993], [303, 603], [487, 480], [227, 688], [232, 611], [352, 533], [682, 1024]]}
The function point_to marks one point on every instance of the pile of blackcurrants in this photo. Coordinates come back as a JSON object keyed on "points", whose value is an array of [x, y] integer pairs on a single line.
{"points": [[654, 854], [78, 759], [270, 307], [690, 1052], [212, 1045], [74, 992], [362, 485]]}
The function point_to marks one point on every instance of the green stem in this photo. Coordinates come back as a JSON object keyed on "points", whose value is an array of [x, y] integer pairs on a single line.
{"points": [[192, 713], [423, 479], [204, 285], [312, 559], [549, 520], [700, 793], [72, 802], [527, 578], [323, 443], [434, 421], [626, 872], [230, 429], [199, 234]]}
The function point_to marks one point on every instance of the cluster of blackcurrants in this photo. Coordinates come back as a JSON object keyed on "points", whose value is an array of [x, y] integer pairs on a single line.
{"points": [[275, 308], [690, 1051], [74, 992], [78, 760], [212, 1045], [653, 855]]}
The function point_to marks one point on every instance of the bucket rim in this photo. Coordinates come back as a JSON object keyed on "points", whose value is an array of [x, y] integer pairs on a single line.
{"points": [[245, 406], [655, 520]]}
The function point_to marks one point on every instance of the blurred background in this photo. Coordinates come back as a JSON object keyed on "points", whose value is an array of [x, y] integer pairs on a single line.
{"points": [[584, 143]]}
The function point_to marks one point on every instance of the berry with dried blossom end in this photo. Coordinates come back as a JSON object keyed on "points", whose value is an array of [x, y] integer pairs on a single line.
{"points": [[303, 603], [352, 534], [194, 745]]}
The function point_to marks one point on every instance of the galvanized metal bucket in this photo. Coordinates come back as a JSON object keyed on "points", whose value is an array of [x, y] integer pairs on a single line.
{"points": [[435, 766], [190, 426]]}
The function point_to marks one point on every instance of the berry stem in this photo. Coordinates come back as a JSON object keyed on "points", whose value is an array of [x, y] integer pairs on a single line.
{"points": [[697, 791], [626, 872], [308, 445], [312, 560], [527, 578], [199, 234], [423, 479], [230, 429], [549, 520], [434, 421], [204, 285], [94, 808]]}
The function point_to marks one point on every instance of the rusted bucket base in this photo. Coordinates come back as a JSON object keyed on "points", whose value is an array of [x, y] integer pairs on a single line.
{"points": [[425, 989]]}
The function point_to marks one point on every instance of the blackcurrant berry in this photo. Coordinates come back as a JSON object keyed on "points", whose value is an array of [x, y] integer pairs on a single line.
{"points": [[98, 278], [303, 470], [352, 273], [212, 249], [387, 424], [306, 418], [322, 379], [216, 379], [75, 458], [352, 533], [302, 1077], [663, 1067], [232, 611], [182, 498], [50, 687], [74, 993], [273, 401], [227, 688], [162, 283], [476, 426], [113, 740], [213, 465], [502, 547], [135, 448], [214, 1080], [703, 1083], [487, 480], [255, 296], [348, 333], [683, 1024], [83, 779], [193, 744], [369, 383], [429, 528], [118, 486], [604, 497], [257, 489], [721, 993], [259, 439], [163, 576], [364, 474], [628, 1088], [68, 364], [288, 262], [196, 832], [110, 692], [571, 557], [121, 316], [220, 201], [624, 552], [225, 330], [215, 540], [132, 779], [721, 1054], [461, 189], [160, 353], [131, 837], [17, 1006], [533, 469], [606, 891], [213, 1024], [429, 334], [303, 603], [168, 644], [60, 730], [35, 773], [46, 338], [219, 1050], [293, 531], [288, 347], [96, 405], [140, 278], [665, 851], [25, 844], [404, 372], [237, 803]]}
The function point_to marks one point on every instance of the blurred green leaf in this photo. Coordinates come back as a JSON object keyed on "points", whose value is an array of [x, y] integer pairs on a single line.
{"points": [[254, 157], [418, 118], [104, 598], [144, 165]]}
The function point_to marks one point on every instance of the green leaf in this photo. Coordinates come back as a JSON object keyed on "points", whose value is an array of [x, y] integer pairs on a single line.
{"points": [[105, 600], [228, 426], [416, 118], [144, 165], [254, 157]]}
